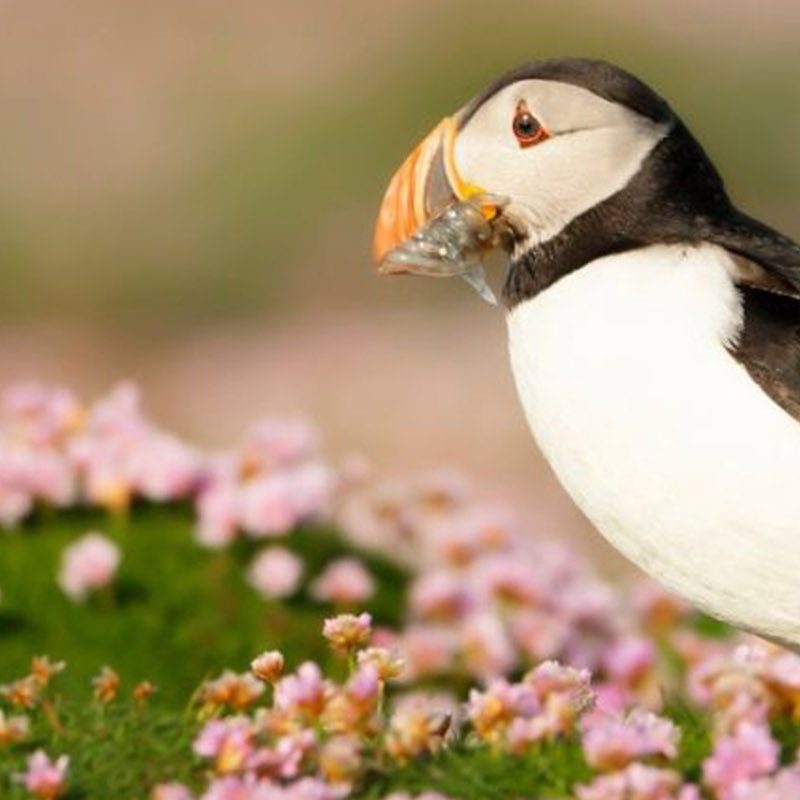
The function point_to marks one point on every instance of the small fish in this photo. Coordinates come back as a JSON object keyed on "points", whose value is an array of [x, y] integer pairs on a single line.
{"points": [[452, 244]]}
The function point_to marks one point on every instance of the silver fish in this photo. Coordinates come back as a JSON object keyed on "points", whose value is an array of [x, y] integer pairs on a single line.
{"points": [[452, 244]]}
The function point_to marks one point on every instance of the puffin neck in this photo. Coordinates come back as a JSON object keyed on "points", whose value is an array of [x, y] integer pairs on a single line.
{"points": [[676, 196]]}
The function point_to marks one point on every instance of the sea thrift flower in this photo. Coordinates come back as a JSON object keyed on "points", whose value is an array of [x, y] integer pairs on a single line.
{"points": [[228, 742], [427, 650], [783, 785], [143, 691], [340, 759], [440, 595], [301, 692], [87, 564], [493, 710], [13, 729], [348, 631], [278, 443], [364, 687], [564, 692], [612, 742], [105, 686], [387, 665], [239, 692], [487, 648], [292, 750], [23, 693], [658, 609], [45, 779], [631, 661], [540, 635], [268, 666], [522, 733], [638, 782], [747, 754], [267, 506], [43, 669], [171, 791], [217, 515], [414, 730], [506, 579], [275, 572], [344, 582]]}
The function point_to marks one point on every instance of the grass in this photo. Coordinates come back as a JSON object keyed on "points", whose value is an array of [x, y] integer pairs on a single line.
{"points": [[179, 613]]}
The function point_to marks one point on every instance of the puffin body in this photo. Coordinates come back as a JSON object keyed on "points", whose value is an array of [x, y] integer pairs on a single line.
{"points": [[654, 329]]}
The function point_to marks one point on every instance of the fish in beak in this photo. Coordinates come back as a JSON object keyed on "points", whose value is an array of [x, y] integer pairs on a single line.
{"points": [[432, 222]]}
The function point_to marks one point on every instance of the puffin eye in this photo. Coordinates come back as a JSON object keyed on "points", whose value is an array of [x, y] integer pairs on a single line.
{"points": [[527, 128]]}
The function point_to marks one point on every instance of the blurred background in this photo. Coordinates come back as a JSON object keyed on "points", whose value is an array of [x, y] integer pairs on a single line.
{"points": [[188, 189]]}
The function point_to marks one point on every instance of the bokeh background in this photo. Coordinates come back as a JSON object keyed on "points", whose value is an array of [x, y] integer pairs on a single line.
{"points": [[187, 194]]}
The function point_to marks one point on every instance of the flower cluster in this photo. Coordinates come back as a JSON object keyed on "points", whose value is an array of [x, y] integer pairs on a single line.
{"points": [[316, 738], [274, 479], [489, 599], [57, 452]]}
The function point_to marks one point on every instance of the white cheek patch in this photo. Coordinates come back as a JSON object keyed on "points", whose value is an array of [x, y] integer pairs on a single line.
{"points": [[595, 148]]}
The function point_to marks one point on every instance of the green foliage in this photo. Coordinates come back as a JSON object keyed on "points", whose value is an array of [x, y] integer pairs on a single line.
{"points": [[178, 613], [478, 773], [116, 751]]}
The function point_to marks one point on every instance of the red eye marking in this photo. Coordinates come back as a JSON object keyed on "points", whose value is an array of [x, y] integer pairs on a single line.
{"points": [[527, 128]]}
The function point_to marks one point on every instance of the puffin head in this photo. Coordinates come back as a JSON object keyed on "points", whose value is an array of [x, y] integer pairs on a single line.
{"points": [[584, 152]]}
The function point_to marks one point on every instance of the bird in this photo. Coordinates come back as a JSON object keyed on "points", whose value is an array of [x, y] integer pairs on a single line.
{"points": [[653, 326]]}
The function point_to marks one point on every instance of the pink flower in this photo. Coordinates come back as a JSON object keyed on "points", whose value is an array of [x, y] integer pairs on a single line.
{"points": [[783, 785], [612, 742], [13, 729], [638, 782], [171, 791], [228, 742], [364, 687], [747, 754], [440, 594], [275, 572], [312, 487], [292, 749], [301, 692], [232, 787], [163, 468], [344, 582], [348, 631], [50, 477], [493, 710], [506, 578], [44, 778], [278, 443], [523, 733], [217, 515], [40, 414], [630, 660], [89, 563], [427, 650], [267, 506], [15, 504], [487, 648], [268, 666], [539, 634]]}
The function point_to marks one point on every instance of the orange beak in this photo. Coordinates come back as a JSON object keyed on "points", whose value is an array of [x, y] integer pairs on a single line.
{"points": [[426, 183]]}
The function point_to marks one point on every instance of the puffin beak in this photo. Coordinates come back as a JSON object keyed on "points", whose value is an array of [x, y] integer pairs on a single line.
{"points": [[426, 183]]}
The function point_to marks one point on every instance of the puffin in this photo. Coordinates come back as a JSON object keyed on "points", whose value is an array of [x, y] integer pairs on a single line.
{"points": [[653, 327]]}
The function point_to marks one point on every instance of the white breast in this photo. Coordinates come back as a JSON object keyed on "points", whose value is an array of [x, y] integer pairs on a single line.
{"points": [[660, 436]]}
